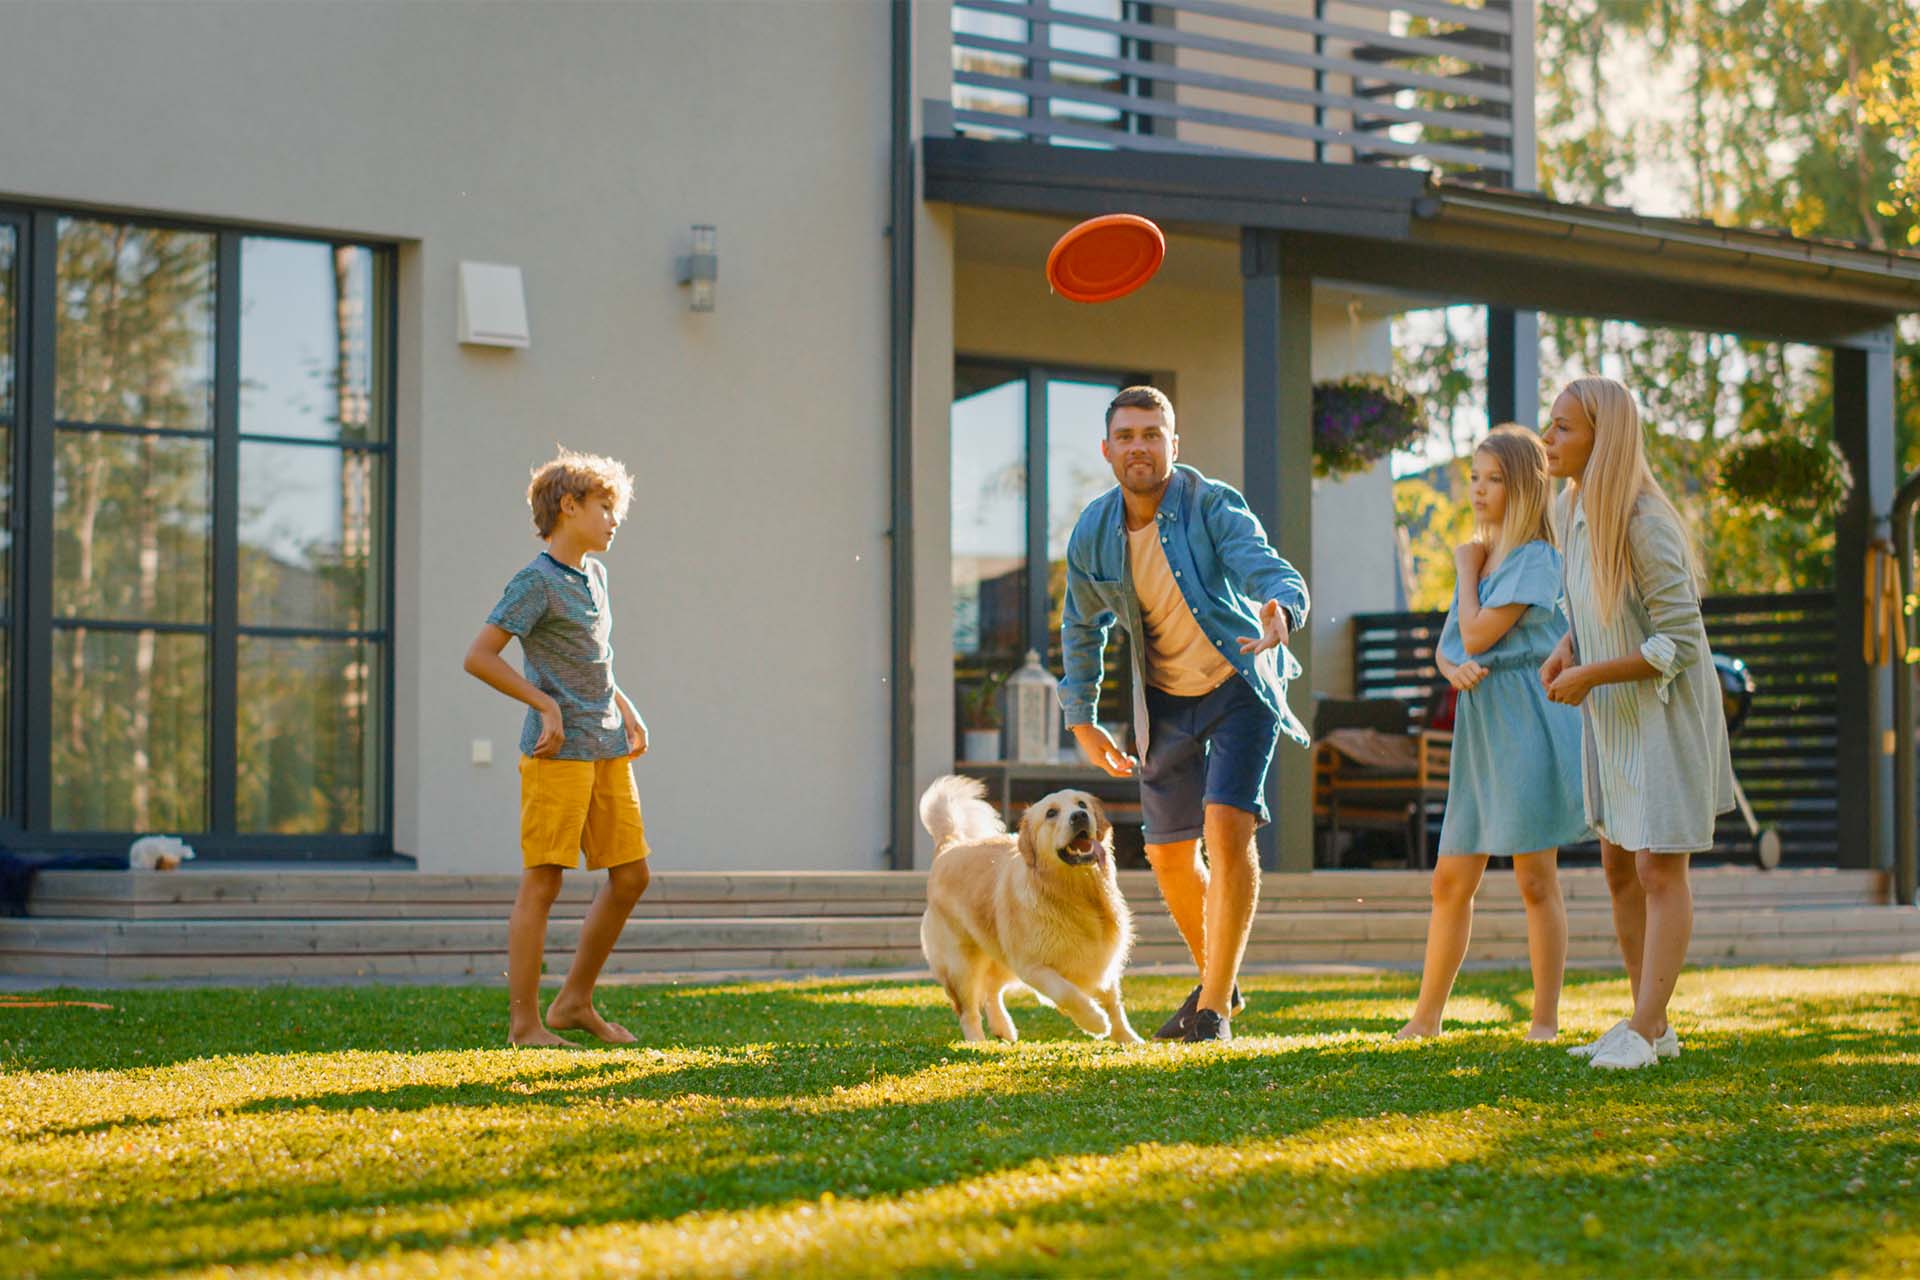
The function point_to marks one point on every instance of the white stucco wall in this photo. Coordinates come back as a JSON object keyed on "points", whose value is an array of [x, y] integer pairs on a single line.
{"points": [[578, 142]]}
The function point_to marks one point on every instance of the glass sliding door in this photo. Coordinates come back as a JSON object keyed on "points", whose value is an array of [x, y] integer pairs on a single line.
{"points": [[313, 479], [133, 453], [1025, 462], [195, 536]]}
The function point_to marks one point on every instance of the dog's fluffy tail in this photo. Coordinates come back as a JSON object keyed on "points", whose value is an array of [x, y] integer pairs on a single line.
{"points": [[955, 809]]}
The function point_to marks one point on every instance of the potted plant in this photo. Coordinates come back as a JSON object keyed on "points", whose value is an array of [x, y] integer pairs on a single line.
{"points": [[1784, 477], [1360, 419], [980, 717]]}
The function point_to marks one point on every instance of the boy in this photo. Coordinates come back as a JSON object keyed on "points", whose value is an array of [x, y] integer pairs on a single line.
{"points": [[581, 734]]}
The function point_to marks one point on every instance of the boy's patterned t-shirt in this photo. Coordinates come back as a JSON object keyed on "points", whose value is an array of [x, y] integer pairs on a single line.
{"points": [[565, 625]]}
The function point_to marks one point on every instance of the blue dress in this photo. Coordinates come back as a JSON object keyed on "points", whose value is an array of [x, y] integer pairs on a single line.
{"points": [[1515, 780]]}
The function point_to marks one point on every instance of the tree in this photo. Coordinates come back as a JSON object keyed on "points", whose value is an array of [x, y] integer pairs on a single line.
{"points": [[1889, 96], [1798, 114]]}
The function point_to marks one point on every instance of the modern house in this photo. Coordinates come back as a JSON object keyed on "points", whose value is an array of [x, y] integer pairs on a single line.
{"points": [[293, 296]]}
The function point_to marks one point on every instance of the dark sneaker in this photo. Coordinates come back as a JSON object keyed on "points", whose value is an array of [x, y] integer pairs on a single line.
{"points": [[1208, 1025], [1175, 1028]]}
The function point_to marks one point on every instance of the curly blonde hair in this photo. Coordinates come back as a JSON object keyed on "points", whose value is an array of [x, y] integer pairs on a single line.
{"points": [[578, 476]]}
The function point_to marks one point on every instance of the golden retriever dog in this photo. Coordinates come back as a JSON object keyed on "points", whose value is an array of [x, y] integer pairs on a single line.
{"points": [[1040, 907]]}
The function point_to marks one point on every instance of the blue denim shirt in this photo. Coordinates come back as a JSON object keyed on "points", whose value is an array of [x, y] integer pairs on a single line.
{"points": [[1225, 569]]}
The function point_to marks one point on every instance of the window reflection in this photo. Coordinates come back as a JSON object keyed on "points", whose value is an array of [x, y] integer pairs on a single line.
{"points": [[131, 533], [989, 481], [9, 253], [306, 745], [129, 733], [307, 532], [1077, 473], [135, 314], [307, 340]]}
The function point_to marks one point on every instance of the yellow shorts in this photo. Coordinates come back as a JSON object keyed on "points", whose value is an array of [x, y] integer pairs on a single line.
{"points": [[570, 805]]}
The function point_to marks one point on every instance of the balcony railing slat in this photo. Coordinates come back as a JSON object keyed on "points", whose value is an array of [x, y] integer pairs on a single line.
{"points": [[1443, 97], [1042, 127], [1419, 46], [1167, 73], [1157, 34], [1497, 20], [1168, 110]]}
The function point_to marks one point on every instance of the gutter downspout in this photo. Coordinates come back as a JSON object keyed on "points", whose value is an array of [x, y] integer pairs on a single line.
{"points": [[900, 422]]}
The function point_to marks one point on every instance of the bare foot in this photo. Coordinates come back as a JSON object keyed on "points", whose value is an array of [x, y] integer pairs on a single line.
{"points": [[1539, 1031], [1417, 1030], [538, 1037], [584, 1017]]}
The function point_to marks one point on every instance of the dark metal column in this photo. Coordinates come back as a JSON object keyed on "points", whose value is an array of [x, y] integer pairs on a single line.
{"points": [[1277, 354], [1863, 428], [1513, 366], [902, 210], [34, 628], [1905, 779], [224, 660], [1038, 634]]}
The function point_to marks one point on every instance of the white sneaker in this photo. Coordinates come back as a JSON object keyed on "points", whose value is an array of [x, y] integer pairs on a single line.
{"points": [[1592, 1047], [1667, 1044], [1629, 1052]]}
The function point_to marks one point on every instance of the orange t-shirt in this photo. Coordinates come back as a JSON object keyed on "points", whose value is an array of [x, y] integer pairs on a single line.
{"points": [[1179, 659]]}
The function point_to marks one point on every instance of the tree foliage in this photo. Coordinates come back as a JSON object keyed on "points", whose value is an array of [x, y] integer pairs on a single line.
{"points": [[1799, 115]]}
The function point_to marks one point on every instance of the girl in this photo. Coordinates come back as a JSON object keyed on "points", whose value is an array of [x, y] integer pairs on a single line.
{"points": [[1654, 758], [1513, 790]]}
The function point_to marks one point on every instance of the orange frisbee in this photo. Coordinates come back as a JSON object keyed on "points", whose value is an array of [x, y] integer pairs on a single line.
{"points": [[1105, 258]]}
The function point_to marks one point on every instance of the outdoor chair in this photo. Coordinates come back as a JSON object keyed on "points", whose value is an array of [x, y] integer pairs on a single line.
{"points": [[1373, 771]]}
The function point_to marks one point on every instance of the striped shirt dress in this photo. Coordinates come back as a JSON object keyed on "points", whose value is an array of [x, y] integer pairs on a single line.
{"points": [[1655, 765]]}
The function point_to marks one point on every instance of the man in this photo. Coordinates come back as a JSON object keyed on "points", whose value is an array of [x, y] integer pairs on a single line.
{"points": [[1184, 567]]}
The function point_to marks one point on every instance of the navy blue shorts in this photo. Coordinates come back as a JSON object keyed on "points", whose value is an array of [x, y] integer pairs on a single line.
{"points": [[1213, 749]]}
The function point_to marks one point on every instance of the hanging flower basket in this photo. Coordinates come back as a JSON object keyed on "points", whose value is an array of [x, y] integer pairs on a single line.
{"points": [[1785, 477], [1359, 420]]}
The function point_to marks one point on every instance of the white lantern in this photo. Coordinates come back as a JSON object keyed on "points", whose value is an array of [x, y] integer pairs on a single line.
{"points": [[1032, 713]]}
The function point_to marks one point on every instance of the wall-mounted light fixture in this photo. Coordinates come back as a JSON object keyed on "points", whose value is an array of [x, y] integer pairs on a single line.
{"points": [[699, 269]]}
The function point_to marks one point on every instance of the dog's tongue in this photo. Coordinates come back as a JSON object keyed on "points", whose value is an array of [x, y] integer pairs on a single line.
{"points": [[1099, 852]]}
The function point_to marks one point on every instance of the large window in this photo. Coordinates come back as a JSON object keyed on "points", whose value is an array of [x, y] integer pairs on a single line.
{"points": [[195, 482], [1026, 461]]}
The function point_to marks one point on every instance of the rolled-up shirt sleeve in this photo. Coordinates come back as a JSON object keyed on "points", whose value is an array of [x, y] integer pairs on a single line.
{"points": [[1663, 575]]}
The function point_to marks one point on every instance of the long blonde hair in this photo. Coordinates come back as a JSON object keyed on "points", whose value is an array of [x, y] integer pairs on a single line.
{"points": [[1616, 478], [1523, 467]]}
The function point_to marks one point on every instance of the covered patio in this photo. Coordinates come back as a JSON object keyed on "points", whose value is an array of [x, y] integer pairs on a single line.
{"points": [[1443, 242]]}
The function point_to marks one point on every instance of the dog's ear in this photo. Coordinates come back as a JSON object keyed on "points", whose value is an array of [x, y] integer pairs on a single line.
{"points": [[1025, 838], [1102, 827]]}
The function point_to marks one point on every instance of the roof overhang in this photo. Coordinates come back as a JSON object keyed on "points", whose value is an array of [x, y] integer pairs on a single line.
{"points": [[1396, 228]]}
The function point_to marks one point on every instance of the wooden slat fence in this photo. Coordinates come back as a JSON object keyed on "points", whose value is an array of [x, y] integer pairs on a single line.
{"points": [[1784, 753]]}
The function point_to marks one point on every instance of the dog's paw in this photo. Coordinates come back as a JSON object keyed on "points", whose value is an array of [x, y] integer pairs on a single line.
{"points": [[1095, 1023]]}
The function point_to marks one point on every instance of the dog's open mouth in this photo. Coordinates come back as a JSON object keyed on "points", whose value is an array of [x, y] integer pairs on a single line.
{"points": [[1082, 850]]}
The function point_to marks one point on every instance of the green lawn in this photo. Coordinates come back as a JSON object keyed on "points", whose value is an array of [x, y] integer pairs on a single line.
{"points": [[837, 1129]]}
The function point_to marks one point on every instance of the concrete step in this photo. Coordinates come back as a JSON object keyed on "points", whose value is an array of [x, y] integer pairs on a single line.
{"points": [[304, 948], [293, 894]]}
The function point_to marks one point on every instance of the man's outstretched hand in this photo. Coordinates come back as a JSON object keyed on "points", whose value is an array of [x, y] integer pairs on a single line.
{"points": [[1273, 630], [1102, 752]]}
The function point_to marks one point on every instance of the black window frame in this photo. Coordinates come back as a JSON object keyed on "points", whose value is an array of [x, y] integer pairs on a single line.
{"points": [[26, 816]]}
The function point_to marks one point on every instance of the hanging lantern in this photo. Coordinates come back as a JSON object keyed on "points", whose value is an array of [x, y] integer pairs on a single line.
{"points": [[1032, 713]]}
